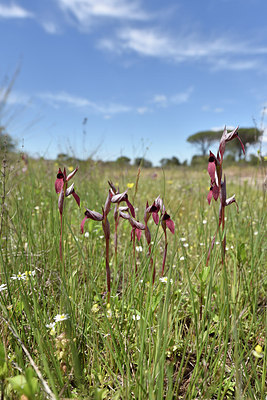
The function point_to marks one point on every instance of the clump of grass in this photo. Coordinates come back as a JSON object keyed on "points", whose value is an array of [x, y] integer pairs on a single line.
{"points": [[193, 334]]}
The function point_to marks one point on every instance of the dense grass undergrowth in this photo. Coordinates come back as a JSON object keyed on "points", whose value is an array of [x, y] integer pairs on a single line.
{"points": [[198, 332]]}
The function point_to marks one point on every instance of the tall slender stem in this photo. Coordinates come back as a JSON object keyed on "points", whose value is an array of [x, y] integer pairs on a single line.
{"points": [[107, 268], [165, 253]]}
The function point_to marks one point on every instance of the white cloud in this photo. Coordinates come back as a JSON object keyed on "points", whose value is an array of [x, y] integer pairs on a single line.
{"points": [[160, 99], [14, 98], [51, 27], [143, 110], [14, 11], [57, 99], [220, 52], [179, 98], [86, 11], [221, 128]]}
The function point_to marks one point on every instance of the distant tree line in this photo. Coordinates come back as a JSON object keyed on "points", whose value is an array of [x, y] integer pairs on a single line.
{"points": [[203, 141]]}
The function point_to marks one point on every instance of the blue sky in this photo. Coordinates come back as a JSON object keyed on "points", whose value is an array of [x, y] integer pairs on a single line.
{"points": [[145, 74]]}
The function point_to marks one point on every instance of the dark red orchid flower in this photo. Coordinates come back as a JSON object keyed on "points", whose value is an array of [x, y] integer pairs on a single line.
{"points": [[167, 222], [61, 187], [218, 186], [119, 197]]}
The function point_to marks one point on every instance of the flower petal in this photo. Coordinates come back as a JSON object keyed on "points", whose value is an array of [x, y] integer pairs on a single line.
{"points": [[138, 233], [77, 198], [71, 175], [94, 215], [170, 225]]}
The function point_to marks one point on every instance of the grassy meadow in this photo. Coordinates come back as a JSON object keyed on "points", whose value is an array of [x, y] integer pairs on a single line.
{"points": [[198, 332]]}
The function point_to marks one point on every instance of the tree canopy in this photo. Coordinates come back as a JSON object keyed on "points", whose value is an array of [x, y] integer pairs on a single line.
{"points": [[142, 161], [170, 162], [204, 139]]}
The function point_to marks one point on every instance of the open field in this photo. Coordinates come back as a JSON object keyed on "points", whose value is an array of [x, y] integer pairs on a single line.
{"points": [[190, 335]]}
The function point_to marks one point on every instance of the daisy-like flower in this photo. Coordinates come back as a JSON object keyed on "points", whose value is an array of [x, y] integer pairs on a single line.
{"points": [[61, 317], [139, 249], [3, 287], [136, 317], [51, 325], [164, 279], [19, 277], [182, 258], [86, 234]]}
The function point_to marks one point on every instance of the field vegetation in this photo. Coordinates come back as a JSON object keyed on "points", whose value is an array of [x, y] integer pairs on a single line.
{"points": [[196, 332]]}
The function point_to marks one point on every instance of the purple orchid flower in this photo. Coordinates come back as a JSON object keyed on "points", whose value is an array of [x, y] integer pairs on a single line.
{"points": [[166, 222], [61, 187], [96, 216], [119, 197], [218, 186]]}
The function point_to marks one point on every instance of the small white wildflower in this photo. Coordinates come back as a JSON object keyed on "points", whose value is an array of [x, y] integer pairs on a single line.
{"points": [[101, 236], [37, 208], [136, 317], [19, 277], [232, 247], [183, 239], [256, 233], [86, 234], [109, 313], [182, 258], [51, 325], [204, 221], [3, 287], [201, 244], [61, 317], [217, 243], [164, 279], [226, 248], [174, 266], [185, 244], [139, 249], [25, 246]]}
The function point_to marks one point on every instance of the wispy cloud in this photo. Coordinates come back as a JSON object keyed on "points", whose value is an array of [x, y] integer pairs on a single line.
{"points": [[162, 100], [50, 27], [14, 11], [14, 98], [220, 52], [208, 108], [221, 128], [86, 12], [63, 98]]}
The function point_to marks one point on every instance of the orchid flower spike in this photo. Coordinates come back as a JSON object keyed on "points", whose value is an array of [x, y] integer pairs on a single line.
{"points": [[119, 197], [61, 187]]}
